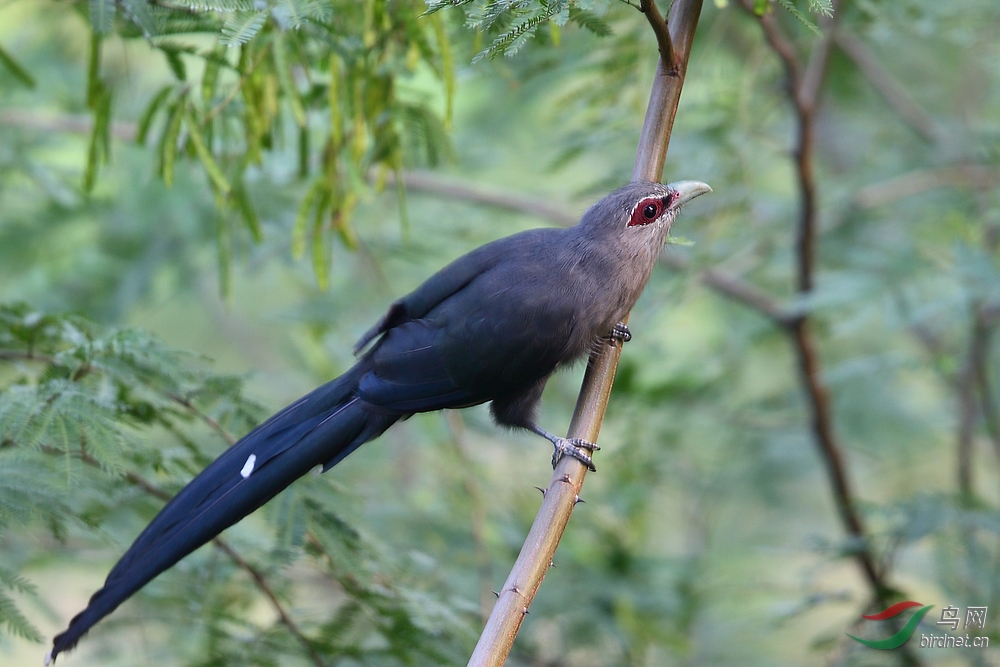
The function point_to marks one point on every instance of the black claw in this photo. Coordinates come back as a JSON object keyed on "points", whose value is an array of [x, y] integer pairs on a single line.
{"points": [[621, 333], [575, 447]]}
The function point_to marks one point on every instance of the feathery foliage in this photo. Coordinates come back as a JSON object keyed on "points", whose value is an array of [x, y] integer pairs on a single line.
{"points": [[84, 405]]}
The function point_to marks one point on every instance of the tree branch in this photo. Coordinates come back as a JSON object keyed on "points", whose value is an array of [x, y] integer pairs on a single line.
{"points": [[664, 42], [430, 183], [888, 88], [450, 188], [965, 385], [208, 419], [222, 545], [912, 183], [737, 289], [803, 93], [26, 355], [563, 491]]}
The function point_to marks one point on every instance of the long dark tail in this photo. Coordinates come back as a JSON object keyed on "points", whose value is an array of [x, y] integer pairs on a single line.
{"points": [[321, 428]]}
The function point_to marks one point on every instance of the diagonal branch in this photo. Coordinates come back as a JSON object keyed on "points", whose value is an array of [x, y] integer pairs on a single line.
{"points": [[737, 289], [208, 419], [562, 495], [663, 40]]}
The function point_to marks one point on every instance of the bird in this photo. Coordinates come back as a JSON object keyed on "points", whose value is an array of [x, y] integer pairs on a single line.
{"points": [[492, 326]]}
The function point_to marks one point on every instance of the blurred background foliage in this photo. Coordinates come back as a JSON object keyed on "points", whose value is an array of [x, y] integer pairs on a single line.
{"points": [[203, 203]]}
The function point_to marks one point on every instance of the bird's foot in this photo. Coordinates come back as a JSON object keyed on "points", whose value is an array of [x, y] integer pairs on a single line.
{"points": [[578, 448], [620, 333]]}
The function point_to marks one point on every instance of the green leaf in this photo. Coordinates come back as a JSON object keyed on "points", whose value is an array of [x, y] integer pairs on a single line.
{"points": [[175, 62], [320, 253], [168, 142], [302, 217], [511, 41], [16, 70], [285, 79], [100, 139], [447, 67], [242, 26], [588, 20], [803, 19], [138, 12], [146, 120], [102, 13], [94, 84], [249, 213], [824, 7], [333, 100], [210, 78], [225, 256], [205, 155]]}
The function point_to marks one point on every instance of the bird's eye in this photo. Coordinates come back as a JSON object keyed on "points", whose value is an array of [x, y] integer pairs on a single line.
{"points": [[646, 212]]}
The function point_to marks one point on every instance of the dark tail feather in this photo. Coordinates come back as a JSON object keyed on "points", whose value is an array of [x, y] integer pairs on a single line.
{"points": [[321, 428]]}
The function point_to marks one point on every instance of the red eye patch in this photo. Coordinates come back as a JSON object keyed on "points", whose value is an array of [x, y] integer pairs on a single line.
{"points": [[646, 212]]}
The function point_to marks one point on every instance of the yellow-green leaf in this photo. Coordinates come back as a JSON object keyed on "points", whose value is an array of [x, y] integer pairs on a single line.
{"points": [[285, 80], [447, 66], [142, 131], [333, 95], [302, 217], [249, 213], [205, 155], [320, 253], [94, 85], [168, 143]]}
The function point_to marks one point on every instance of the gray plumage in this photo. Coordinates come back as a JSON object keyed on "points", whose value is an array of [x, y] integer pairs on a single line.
{"points": [[492, 326]]}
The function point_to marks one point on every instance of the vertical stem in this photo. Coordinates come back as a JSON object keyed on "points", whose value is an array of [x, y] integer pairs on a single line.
{"points": [[563, 492]]}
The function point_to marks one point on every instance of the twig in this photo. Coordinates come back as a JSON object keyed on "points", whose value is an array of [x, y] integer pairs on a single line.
{"points": [[450, 188], [991, 416], [887, 86], [737, 289], [965, 385], [152, 489], [268, 592], [459, 190], [75, 123], [26, 355], [803, 92], [208, 419], [914, 182], [563, 491], [664, 42]]}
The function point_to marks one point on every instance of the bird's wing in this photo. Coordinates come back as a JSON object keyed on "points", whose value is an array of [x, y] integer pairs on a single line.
{"points": [[448, 281], [408, 374]]}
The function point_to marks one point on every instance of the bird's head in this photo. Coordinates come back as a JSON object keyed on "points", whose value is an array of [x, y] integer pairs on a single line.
{"points": [[642, 211]]}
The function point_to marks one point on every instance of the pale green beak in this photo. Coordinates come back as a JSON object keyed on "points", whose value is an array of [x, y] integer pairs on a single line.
{"points": [[687, 190]]}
